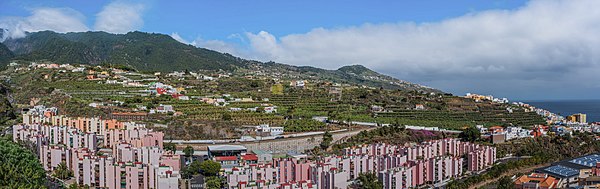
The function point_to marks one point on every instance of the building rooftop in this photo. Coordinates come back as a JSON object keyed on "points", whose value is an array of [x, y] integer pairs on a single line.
{"points": [[130, 113], [588, 161], [226, 158], [542, 180], [226, 148], [561, 171], [260, 152], [250, 157], [496, 127]]}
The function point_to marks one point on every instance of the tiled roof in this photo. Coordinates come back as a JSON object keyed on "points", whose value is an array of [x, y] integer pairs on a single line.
{"points": [[542, 179], [250, 157]]}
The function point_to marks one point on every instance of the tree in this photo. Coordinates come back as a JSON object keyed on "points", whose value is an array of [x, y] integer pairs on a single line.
{"points": [[332, 115], [73, 186], [171, 147], [254, 84], [19, 167], [195, 166], [188, 151], [277, 89], [192, 169], [150, 105], [226, 116], [327, 138], [213, 182], [290, 112], [368, 181], [505, 183], [187, 172], [210, 168], [62, 171], [470, 134]]}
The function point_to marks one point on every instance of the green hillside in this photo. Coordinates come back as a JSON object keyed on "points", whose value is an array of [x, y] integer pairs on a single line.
{"points": [[159, 52], [143, 51], [5, 54], [6, 109]]}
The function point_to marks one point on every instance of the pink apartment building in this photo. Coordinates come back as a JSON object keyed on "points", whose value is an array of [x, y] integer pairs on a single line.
{"points": [[399, 177], [481, 158], [291, 169], [67, 136], [106, 171], [95, 125], [171, 160], [136, 137], [137, 159], [51, 156], [408, 166]]}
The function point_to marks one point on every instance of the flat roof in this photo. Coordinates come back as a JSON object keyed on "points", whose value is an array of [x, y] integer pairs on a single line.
{"points": [[226, 148], [561, 171], [196, 153], [588, 161], [260, 152]]}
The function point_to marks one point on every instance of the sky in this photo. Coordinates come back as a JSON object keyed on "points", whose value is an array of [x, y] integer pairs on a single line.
{"points": [[526, 50]]}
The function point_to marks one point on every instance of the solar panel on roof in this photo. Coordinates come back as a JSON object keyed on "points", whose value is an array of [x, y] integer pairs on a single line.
{"points": [[562, 171], [589, 161]]}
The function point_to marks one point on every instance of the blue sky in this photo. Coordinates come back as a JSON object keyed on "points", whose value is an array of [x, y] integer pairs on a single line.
{"points": [[510, 48], [221, 19]]}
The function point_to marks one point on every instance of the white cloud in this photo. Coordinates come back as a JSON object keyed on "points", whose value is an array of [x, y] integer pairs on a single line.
{"points": [[120, 17], [545, 42], [177, 37], [55, 19], [216, 45]]}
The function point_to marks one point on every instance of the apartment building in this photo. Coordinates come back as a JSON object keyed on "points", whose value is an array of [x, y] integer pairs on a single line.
{"points": [[134, 156], [397, 166]]}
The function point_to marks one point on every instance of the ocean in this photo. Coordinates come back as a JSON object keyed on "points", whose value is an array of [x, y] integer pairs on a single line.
{"points": [[568, 107]]}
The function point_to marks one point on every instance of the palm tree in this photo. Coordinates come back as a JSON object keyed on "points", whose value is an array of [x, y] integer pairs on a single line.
{"points": [[62, 171]]}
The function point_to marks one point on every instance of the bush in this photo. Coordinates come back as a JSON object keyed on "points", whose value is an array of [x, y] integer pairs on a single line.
{"points": [[19, 167]]}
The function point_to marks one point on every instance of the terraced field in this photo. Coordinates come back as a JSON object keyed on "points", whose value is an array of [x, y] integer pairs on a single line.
{"points": [[295, 106], [485, 116]]}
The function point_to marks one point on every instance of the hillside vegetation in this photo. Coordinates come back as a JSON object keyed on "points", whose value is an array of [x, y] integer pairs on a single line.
{"points": [[6, 109], [158, 52], [5, 54], [19, 167], [72, 93], [143, 51]]}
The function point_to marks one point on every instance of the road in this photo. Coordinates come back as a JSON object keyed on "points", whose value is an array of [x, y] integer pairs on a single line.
{"points": [[293, 142], [269, 138]]}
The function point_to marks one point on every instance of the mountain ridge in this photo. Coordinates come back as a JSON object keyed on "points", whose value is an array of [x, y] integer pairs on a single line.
{"points": [[5, 54], [159, 52]]}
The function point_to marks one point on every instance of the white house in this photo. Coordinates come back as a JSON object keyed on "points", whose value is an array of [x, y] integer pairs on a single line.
{"points": [[164, 109], [273, 131], [271, 109]]}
